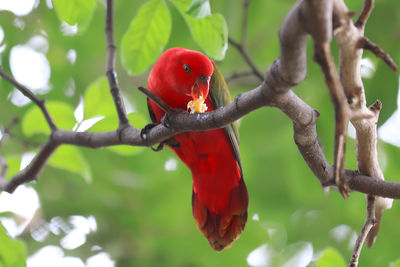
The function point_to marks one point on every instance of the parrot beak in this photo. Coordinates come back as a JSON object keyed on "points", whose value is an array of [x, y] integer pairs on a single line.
{"points": [[200, 88], [199, 93]]}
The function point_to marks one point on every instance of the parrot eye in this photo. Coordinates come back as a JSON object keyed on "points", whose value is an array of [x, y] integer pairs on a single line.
{"points": [[186, 68]]}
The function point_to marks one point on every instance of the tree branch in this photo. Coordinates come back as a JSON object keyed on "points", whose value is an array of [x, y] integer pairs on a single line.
{"points": [[364, 14], [246, 4], [8, 134], [367, 44], [351, 41], [241, 47], [31, 172], [238, 75], [110, 65], [246, 57], [370, 221], [28, 93], [324, 58]]}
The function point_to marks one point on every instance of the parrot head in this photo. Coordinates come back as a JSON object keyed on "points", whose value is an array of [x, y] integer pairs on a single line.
{"points": [[189, 74]]}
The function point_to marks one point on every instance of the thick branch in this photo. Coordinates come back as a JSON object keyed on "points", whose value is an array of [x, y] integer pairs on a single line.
{"points": [[28, 93], [351, 40], [321, 32], [110, 65], [303, 116]]}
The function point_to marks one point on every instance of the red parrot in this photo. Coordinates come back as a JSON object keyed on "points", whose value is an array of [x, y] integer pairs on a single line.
{"points": [[185, 79]]}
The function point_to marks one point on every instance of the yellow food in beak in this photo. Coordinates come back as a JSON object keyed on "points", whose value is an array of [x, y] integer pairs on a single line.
{"points": [[198, 91], [197, 105]]}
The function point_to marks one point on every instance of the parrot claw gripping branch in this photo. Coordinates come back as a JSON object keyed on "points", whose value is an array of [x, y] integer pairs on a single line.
{"points": [[323, 20]]}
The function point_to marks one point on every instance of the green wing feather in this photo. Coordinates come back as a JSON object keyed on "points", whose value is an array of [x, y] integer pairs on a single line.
{"points": [[220, 97]]}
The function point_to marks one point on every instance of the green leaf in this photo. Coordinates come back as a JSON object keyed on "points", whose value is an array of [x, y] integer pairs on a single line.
{"points": [[69, 158], [183, 5], [210, 32], [98, 100], [146, 37], [75, 11], [107, 124], [199, 9], [12, 252], [138, 121], [35, 123], [330, 258]]}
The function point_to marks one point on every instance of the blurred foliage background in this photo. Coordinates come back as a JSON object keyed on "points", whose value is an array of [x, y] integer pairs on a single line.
{"points": [[132, 206]]}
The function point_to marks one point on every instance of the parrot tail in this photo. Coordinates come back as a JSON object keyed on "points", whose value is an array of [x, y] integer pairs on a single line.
{"points": [[222, 230]]}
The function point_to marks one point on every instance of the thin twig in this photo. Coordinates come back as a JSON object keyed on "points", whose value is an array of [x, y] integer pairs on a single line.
{"points": [[367, 44], [25, 143], [238, 75], [8, 134], [32, 171], [11, 125], [246, 4], [370, 221], [7, 129], [342, 112], [247, 58], [241, 47], [364, 14], [110, 65], [28, 93]]}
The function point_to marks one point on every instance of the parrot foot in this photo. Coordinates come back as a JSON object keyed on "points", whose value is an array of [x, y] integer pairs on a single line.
{"points": [[146, 129], [165, 121], [170, 142]]}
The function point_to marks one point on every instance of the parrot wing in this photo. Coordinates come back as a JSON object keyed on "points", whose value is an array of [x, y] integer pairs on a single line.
{"points": [[222, 229], [220, 97]]}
